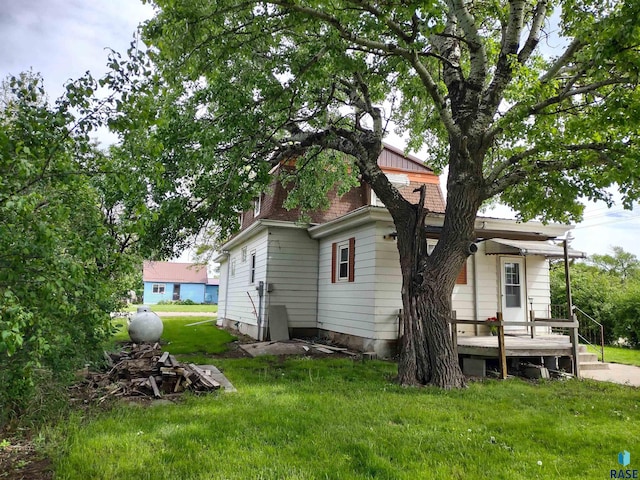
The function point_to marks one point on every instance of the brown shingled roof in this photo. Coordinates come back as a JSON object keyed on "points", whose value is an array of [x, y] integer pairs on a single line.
{"points": [[173, 272]]}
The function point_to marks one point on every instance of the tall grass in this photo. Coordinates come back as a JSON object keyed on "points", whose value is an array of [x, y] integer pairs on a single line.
{"points": [[339, 419]]}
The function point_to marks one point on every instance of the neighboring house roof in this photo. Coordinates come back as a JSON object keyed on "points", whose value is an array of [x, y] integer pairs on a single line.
{"points": [[213, 281], [174, 272]]}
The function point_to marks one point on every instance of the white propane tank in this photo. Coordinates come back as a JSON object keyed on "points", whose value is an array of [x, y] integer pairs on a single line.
{"points": [[145, 326]]}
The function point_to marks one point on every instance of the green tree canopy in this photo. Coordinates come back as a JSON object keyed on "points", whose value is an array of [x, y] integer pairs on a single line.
{"points": [[621, 264], [238, 86], [62, 256]]}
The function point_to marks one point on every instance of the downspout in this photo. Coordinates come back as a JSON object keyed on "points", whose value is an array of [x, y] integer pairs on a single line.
{"points": [[474, 264], [263, 320], [260, 319], [226, 291]]}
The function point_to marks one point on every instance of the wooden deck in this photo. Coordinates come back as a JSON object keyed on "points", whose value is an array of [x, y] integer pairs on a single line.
{"points": [[516, 346], [504, 346]]}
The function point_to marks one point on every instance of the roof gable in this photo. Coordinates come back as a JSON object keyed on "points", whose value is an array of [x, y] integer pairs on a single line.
{"points": [[394, 158], [173, 272]]}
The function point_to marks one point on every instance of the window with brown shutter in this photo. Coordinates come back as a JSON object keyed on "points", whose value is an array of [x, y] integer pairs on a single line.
{"points": [[462, 276], [343, 261]]}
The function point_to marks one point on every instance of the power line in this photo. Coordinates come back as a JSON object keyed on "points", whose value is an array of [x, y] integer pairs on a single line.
{"points": [[619, 220]]}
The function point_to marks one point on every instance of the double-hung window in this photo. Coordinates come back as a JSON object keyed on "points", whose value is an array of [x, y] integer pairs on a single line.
{"points": [[343, 261], [252, 267]]}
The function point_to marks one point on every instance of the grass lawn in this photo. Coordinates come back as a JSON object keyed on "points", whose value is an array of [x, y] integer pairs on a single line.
{"points": [[339, 419], [193, 343], [627, 356], [176, 308]]}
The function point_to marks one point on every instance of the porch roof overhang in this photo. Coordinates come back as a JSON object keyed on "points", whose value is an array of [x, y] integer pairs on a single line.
{"points": [[502, 246], [482, 233]]}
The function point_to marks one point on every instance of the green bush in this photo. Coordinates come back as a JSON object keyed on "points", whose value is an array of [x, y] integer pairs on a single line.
{"points": [[627, 314], [187, 301], [61, 266]]}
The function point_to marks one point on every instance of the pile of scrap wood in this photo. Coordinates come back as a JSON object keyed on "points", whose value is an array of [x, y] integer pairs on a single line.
{"points": [[145, 370]]}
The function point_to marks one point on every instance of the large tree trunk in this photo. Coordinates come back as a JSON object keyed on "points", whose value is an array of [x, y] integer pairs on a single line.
{"points": [[427, 355]]}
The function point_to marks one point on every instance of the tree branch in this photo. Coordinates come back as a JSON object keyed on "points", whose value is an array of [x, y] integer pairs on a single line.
{"points": [[562, 60], [538, 107], [393, 26], [539, 15], [504, 70], [478, 55], [496, 184]]}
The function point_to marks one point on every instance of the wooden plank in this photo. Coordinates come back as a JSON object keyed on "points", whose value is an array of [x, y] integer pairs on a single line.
{"points": [[330, 347], [176, 388], [154, 386], [203, 377], [324, 350], [163, 358], [214, 319]]}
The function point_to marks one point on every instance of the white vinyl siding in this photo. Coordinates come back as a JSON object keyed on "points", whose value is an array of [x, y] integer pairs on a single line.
{"points": [[348, 307], [486, 291], [538, 285], [535, 273], [388, 284], [293, 274], [238, 306]]}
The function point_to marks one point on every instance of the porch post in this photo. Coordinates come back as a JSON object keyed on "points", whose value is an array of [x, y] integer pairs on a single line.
{"points": [[502, 353], [571, 316], [532, 319]]}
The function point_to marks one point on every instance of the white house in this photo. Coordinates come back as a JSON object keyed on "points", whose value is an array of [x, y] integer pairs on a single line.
{"points": [[339, 276]]}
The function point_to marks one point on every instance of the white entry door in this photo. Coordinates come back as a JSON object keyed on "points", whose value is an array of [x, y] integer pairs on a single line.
{"points": [[514, 307]]}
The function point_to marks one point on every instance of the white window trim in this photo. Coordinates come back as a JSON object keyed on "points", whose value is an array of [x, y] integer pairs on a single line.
{"points": [[243, 255], [158, 288], [257, 205], [339, 248], [252, 267], [232, 268]]}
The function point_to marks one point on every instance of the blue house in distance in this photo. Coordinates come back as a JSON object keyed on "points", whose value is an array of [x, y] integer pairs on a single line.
{"points": [[167, 281]]}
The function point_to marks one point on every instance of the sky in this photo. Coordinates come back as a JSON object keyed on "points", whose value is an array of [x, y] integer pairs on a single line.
{"points": [[62, 39]]}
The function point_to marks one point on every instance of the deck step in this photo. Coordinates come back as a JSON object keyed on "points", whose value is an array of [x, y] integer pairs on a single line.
{"points": [[594, 366], [587, 357]]}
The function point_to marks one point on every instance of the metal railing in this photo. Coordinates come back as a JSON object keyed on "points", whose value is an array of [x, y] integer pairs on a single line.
{"points": [[590, 331]]}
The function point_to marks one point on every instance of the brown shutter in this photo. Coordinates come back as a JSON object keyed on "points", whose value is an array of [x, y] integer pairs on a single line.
{"points": [[352, 258], [462, 276], [334, 247]]}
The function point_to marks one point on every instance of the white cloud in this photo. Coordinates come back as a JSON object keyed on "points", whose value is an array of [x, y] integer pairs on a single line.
{"points": [[62, 39]]}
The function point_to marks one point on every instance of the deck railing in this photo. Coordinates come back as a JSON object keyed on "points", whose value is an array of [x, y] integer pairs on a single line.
{"points": [[571, 325], [590, 331]]}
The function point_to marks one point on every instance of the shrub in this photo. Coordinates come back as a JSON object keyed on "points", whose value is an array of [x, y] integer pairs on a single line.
{"points": [[627, 314]]}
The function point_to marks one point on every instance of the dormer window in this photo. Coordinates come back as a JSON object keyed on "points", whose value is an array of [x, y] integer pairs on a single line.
{"points": [[257, 205]]}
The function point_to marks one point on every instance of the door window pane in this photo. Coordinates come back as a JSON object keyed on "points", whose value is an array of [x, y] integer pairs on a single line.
{"points": [[512, 287]]}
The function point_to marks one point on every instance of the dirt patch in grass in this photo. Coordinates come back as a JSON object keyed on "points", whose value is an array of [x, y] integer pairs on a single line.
{"points": [[21, 460]]}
